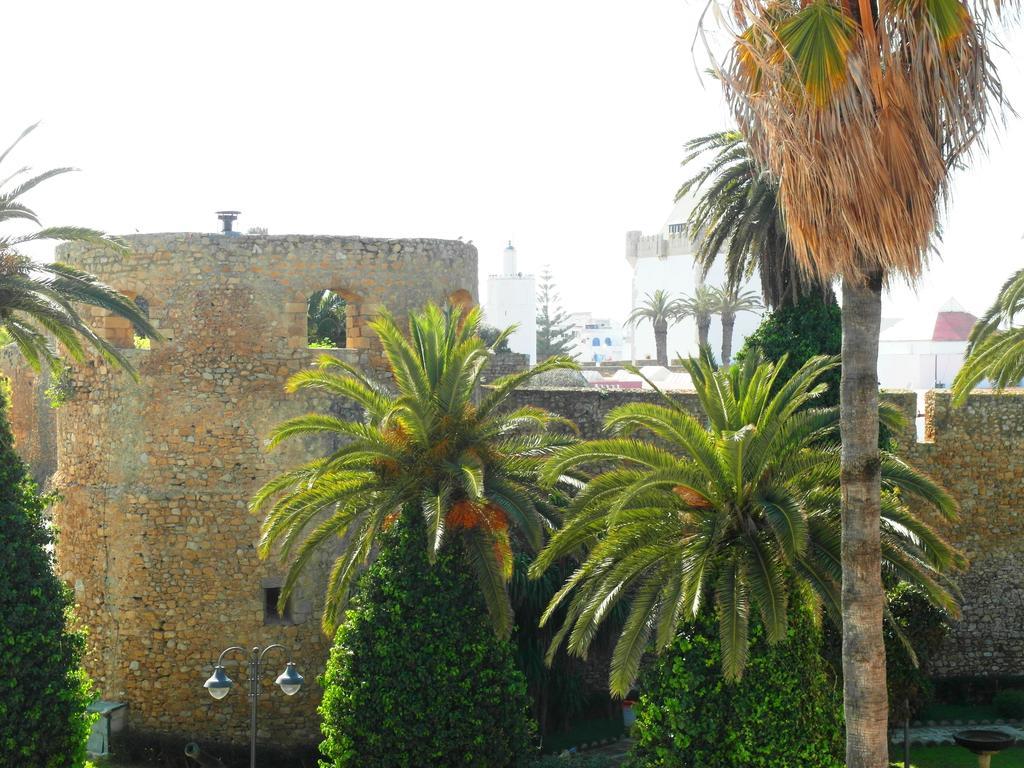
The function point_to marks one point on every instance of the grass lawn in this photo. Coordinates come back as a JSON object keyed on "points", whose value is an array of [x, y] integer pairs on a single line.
{"points": [[955, 757]]}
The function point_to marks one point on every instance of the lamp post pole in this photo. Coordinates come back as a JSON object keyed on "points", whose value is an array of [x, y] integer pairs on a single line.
{"points": [[290, 681]]}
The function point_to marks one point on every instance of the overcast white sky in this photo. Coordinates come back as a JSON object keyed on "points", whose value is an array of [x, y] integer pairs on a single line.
{"points": [[557, 124]]}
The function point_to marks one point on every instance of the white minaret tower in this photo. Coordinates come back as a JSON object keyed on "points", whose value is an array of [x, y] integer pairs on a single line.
{"points": [[512, 299]]}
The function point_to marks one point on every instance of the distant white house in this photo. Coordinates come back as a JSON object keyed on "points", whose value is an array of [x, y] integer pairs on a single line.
{"points": [[666, 261], [925, 351], [512, 299], [597, 339]]}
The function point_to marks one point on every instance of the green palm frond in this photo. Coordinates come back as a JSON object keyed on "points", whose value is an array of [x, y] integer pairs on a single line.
{"points": [[38, 302], [426, 444], [995, 350]]}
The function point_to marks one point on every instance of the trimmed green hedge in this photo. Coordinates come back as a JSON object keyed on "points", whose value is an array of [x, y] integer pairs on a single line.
{"points": [[785, 711], [416, 676], [43, 691]]}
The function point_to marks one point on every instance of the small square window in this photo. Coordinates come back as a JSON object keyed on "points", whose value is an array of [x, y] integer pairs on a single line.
{"points": [[271, 614]]}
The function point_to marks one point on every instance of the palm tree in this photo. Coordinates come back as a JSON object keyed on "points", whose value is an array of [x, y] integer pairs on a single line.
{"points": [[467, 467], [737, 216], [700, 306], [730, 301], [661, 310], [325, 318], [37, 301], [861, 110], [994, 352], [740, 516]]}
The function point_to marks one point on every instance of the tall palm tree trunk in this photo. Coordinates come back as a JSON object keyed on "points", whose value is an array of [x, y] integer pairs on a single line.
{"points": [[728, 323], [661, 342], [703, 329], [864, 688]]}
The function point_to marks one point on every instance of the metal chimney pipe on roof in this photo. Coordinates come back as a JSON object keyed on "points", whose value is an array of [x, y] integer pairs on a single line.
{"points": [[227, 218]]}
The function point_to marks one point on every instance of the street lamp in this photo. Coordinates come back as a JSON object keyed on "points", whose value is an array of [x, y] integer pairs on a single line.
{"points": [[218, 684]]}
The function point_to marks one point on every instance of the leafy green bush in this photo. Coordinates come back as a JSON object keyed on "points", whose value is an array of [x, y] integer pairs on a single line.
{"points": [[924, 627], [785, 711], [417, 676], [44, 692], [811, 327], [1009, 704]]}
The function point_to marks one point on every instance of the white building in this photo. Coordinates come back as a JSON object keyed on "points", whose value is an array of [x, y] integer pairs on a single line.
{"points": [[597, 339], [925, 351], [666, 261], [512, 299]]}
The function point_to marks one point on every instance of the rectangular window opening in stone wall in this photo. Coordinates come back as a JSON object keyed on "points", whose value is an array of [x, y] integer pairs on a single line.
{"points": [[271, 612]]}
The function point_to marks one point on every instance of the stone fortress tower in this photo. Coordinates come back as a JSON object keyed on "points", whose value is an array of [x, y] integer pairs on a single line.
{"points": [[155, 535]]}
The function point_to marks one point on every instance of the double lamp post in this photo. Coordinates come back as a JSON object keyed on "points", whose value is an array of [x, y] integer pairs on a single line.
{"points": [[290, 681]]}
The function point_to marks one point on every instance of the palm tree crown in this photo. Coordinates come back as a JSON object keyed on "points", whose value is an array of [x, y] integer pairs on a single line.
{"points": [[661, 311], [37, 301], [730, 301], [737, 216], [658, 308], [734, 514], [468, 467], [700, 306], [993, 351]]}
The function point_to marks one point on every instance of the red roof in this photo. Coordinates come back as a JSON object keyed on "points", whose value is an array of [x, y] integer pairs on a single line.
{"points": [[953, 326]]}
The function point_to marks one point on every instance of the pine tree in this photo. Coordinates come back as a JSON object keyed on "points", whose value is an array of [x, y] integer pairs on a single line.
{"points": [[554, 336], [44, 694]]}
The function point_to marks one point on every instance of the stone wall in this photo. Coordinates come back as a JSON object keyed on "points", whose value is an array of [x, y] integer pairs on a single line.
{"points": [[977, 453], [155, 534], [505, 363]]}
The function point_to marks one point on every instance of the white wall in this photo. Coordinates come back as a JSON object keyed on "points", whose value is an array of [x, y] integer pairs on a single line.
{"points": [[512, 300], [919, 364]]}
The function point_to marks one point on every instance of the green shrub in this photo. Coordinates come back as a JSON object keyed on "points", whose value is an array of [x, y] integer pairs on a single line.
{"points": [[925, 627], [44, 692], [785, 711], [1009, 704], [811, 327], [922, 625], [416, 676]]}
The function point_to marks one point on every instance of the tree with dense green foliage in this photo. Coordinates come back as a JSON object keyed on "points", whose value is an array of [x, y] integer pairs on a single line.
{"points": [[417, 676], [736, 217], [37, 300], [729, 302], [464, 462], [785, 711], [325, 319], [797, 332], [727, 514], [862, 111], [661, 311], [554, 334], [995, 349], [45, 692]]}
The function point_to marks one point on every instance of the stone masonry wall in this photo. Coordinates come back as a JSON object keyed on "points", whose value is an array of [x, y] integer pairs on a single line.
{"points": [[977, 453], [155, 534]]}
